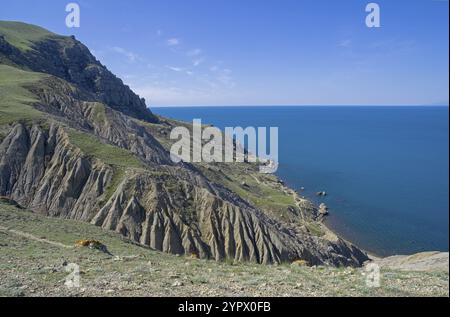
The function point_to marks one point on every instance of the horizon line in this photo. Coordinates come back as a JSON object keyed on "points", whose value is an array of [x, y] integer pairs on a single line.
{"points": [[255, 105]]}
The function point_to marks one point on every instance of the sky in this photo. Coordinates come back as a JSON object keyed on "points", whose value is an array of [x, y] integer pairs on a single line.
{"points": [[253, 52]]}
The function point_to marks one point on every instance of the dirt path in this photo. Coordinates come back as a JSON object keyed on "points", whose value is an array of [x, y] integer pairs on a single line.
{"points": [[33, 237], [256, 179]]}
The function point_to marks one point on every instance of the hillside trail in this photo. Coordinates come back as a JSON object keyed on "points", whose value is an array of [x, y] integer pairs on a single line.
{"points": [[35, 238]]}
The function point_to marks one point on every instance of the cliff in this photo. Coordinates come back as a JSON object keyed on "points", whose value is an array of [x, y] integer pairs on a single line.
{"points": [[35, 49]]}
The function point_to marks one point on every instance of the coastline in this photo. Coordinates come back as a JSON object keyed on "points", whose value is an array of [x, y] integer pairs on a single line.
{"points": [[329, 233], [391, 261], [368, 206]]}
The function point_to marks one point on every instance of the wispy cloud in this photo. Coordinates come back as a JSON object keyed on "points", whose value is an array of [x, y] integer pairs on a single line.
{"points": [[175, 69], [197, 62], [188, 77], [194, 52], [226, 78], [186, 71], [131, 57], [345, 43], [223, 75], [393, 45], [173, 42], [170, 95]]}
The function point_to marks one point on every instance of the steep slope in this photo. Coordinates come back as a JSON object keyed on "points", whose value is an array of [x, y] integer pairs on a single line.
{"points": [[38, 50], [76, 143]]}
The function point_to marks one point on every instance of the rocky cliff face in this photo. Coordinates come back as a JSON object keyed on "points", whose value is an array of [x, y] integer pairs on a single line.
{"points": [[68, 59], [89, 158], [173, 209]]}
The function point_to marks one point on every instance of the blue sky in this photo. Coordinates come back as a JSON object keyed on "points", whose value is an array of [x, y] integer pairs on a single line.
{"points": [[271, 52]]}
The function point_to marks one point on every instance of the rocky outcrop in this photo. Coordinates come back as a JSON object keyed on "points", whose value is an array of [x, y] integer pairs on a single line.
{"points": [[39, 169], [323, 209], [424, 261], [76, 109]]}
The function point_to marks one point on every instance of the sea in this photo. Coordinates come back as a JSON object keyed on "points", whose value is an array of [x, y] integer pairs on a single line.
{"points": [[385, 169]]}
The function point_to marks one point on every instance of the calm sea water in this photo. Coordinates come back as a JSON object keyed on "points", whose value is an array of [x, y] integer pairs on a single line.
{"points": [[386, 169]]}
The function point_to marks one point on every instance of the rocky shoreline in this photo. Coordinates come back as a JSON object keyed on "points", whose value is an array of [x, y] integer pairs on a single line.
{"points": [[421, 261]]}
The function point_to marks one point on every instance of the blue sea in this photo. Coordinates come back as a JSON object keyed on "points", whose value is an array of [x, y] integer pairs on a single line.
{"points": [[385, 169]]}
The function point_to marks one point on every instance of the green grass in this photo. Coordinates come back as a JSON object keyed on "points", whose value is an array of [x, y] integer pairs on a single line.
{"points": [[15, 100], [120, 159], [315, 229], [107, 153], [261, 190], [118, 176], [22, 35], [99, 112]]}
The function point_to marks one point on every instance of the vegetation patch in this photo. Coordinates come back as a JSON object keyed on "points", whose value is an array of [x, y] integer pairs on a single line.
{"points": [[119, 159], [118, 176], [22, 35], [107, 153], [315, 229], [99, 112], [15, 100]]}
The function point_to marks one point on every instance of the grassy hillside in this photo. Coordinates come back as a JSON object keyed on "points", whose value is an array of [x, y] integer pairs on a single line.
{"points": [[15, 100], [34, 248], [106, 153], [22, 35]]}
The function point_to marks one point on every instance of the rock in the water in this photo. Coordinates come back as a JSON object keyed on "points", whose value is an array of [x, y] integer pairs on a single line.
{"points": [[323, 209]]}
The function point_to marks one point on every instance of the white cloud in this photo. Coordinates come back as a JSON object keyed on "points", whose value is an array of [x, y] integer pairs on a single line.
{"points": [[223, 76], [178, 82], [194, 52], [132, 57], [158, 95], [345, 43], [198, 61], [181, 70], [173, 42], [175, 69], [226, 80]]}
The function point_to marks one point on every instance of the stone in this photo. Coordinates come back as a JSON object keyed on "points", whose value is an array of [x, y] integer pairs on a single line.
{"points": [[177, 284]]}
